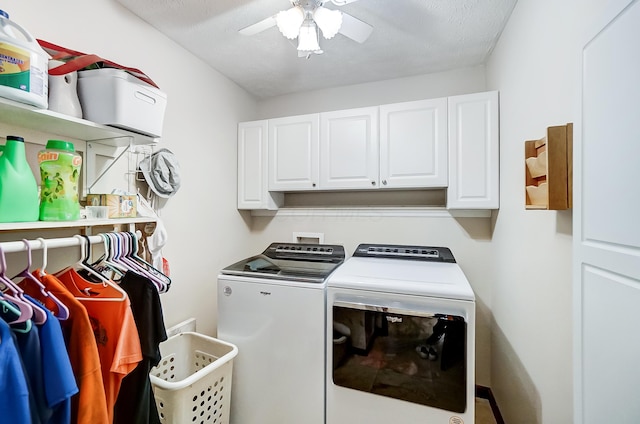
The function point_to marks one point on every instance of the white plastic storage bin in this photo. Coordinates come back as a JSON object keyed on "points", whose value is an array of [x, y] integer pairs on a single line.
{"points": [[192, 382], [113, 97]]}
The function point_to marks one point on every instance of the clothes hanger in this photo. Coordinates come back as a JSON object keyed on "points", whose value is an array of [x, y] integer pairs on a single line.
{"points": [[117, 253], [41, 271], [129, 243], [136, 240], [106, 263], [12, 294], [8, 310], [39, 314], [82, 264], [163, 280], [62, 312]]}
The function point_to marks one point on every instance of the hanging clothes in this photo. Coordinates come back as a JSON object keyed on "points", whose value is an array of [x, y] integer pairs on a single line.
{"points": [[136, 403], [114, 329], [89, 405], [28, 343], [78, 348], [14, 401], [58, 380]]}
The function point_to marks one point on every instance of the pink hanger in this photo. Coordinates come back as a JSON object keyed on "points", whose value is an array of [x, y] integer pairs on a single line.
{"points": [[62, 310], [12, 294]]}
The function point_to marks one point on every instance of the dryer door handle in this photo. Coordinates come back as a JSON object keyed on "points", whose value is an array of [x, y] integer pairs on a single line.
{"points": [[384, 309]]}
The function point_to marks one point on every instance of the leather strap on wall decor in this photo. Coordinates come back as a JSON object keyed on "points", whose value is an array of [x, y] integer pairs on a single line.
{"points": [[76, 61]]}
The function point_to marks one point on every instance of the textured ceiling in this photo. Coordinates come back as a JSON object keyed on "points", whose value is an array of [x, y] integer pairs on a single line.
{"points": [[410, 37]]}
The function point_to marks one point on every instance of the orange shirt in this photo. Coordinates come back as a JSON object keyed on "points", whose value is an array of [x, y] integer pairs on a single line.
{"points": [[89, 405], [113, 327]]}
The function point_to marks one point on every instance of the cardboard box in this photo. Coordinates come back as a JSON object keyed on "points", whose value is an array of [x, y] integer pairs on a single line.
{"points": [[119, 206], [113, 97]]}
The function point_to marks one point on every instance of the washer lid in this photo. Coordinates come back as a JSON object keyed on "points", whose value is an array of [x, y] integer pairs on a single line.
{"points": [[402, 276], [291, 262]]}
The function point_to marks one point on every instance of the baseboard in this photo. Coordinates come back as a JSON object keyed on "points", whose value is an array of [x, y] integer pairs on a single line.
{"points": [[485, 392]]}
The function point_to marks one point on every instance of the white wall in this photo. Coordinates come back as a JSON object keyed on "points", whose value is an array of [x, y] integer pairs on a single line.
{"points": [[534, 66], [205, 230], [442, 84]]}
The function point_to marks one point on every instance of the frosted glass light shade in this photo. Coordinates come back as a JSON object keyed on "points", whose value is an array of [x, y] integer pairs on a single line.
{"points": [[308, 37], [329, 21], [289, 21]]}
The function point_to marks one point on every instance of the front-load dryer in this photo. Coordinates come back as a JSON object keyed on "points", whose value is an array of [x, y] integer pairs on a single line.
{"points": [[400, 332]]}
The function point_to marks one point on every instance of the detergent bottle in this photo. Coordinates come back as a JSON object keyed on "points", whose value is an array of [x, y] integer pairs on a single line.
{"points": [[18, 187], [59, 171], [23, 65]]}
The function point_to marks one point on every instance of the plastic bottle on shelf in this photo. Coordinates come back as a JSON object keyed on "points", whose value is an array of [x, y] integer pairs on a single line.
{"points": [[18, 186], [59, 170], [23, 65]]}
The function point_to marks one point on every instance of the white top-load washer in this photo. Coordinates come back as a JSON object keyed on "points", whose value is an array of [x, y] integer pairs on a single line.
{"points": [[272, 307], [402, 324]]}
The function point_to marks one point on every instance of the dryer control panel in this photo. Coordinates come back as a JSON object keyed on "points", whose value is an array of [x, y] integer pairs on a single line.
{"points": [[390, 251]]}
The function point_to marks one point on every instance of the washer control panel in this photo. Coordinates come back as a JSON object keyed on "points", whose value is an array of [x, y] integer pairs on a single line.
{"points": [[303, 251]]}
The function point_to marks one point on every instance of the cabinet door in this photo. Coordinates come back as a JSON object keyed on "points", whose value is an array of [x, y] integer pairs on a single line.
{"points": [[413, 144], [293, 153], [252, 167], [473, 152], [349, 149]]}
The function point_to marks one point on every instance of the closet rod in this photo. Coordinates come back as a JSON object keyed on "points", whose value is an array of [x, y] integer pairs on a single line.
{"points": [[19, 246]]}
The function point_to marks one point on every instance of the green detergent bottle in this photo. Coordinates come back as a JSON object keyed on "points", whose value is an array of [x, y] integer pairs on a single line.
{"points": [[59, 170], [18, 187]]}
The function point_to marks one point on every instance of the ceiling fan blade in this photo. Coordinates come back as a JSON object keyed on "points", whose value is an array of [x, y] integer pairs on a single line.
{"points": [[259, 26], [342, 2], [354, 28], [308, 54]]}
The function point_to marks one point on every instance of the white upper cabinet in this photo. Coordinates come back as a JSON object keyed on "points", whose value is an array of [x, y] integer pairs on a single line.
{"points": [[252, 167], [293, 153], [447, 143], [349, 149], [474, 152], [413, 144]]}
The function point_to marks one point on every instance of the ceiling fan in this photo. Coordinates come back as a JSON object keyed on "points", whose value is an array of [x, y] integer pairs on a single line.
{"points": [[305, 17]]}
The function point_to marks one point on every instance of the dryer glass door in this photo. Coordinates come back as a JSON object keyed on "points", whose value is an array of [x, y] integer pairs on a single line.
{"points": [[415, 356]]}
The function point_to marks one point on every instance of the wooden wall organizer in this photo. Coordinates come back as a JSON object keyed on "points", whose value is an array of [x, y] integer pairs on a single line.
{"points": [[549, 169]]}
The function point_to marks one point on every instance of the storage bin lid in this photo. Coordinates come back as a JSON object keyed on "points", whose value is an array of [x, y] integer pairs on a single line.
{"points": [[108, 73]]}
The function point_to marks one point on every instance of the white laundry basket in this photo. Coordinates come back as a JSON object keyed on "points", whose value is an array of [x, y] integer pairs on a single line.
{"points": [[192, 382]]}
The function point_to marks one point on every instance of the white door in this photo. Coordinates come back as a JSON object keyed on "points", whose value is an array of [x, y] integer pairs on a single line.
{"points": [[293, 153], [413, 144], [607, 223], [349, 149], [474, 152]]}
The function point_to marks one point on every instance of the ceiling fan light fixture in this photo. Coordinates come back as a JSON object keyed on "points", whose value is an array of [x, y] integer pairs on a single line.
{"points": [[329, 21], [308, 37], [289, 21]]}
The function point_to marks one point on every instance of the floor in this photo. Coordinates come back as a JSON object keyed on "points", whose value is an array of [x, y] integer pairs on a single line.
{"points": [[484, 414]]}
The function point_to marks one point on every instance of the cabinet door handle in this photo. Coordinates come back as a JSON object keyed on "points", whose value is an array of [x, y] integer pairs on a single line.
{"points": [[384, 182], [373, 183], [313, 184]]}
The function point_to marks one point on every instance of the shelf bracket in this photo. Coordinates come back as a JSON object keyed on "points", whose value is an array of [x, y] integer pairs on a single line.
{"points": [[113, 162]]}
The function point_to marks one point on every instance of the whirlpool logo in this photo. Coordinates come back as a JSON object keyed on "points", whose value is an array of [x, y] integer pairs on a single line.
{"points": [[265, 293]]}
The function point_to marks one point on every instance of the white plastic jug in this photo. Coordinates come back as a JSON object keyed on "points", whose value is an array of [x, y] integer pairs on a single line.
{"points": [[23, 65]]}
